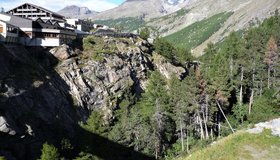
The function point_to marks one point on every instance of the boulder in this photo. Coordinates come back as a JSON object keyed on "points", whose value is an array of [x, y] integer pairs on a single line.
{"points": [[62, 52], [166, 68]]}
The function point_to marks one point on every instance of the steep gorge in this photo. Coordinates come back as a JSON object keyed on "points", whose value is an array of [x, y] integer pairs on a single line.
{"points": [[44, 99]]}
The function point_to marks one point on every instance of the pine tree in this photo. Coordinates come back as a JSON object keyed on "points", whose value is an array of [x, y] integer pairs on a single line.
{"points": [[270, 59], [49, 152], [151, 125], [96, 124]]}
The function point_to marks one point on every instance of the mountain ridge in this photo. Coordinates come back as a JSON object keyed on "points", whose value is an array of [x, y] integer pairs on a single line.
{"points": [[74, 11], [164, 17], [142, 8]]}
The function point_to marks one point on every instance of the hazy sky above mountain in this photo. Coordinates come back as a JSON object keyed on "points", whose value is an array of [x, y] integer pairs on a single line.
{"points": [[55, 5]]}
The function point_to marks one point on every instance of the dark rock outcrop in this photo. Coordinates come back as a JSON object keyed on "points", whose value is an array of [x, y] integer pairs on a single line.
{"points": [[33, 108]]}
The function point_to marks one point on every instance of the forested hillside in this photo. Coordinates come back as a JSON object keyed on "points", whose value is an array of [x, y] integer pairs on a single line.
{"points": [[236, 82]]}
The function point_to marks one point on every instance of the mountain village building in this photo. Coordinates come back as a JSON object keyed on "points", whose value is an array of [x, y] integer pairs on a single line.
{"points": [[33, 12], [81, 25], [8, 33], [32, 25], [38, 32]]}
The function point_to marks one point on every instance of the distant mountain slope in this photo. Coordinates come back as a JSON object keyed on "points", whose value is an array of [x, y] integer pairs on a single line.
{"points": [[243, 15], [198, 32], [143, 8], [171, 16], [244, 12], [77, 12]]}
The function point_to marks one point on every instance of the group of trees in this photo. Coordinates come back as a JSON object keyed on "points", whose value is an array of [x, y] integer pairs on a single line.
{"points": [[244, 67], [237, 83]]}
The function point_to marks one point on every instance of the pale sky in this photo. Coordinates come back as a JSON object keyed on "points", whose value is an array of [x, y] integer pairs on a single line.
{"points": [[56, 5]]}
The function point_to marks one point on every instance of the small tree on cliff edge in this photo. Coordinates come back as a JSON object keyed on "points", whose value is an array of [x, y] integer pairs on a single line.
{"points": [[145, 33]]}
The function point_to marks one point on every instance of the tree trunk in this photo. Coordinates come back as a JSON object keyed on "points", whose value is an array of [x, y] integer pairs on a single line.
{"points": [[261, 88], [231, 69], [188, 130], [207, 107], [205, 125], [188, 148], [274, 81], [182, 136], [241, 88], [137, 138], [156, 153], [252, 93], [224, 116], [201, 128], [219, 123], [219, 129], [251, 101], [268, 77], [211, 132]]}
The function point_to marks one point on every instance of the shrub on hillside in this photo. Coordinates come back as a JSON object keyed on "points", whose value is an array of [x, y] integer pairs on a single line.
{"points": [[49, 152], [264, 108], [164, 48], [145, 33], [88, 42]]}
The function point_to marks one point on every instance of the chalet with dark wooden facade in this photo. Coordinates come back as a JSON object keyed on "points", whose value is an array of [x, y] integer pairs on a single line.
{"points": [[32, 11], [39, 32]]}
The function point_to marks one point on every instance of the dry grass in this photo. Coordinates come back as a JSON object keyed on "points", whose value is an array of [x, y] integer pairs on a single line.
{"points": [[241, 146]]}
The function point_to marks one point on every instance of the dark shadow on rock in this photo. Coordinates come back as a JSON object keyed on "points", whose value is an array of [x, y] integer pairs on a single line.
{"points": [[106, 149], [35, 107]]}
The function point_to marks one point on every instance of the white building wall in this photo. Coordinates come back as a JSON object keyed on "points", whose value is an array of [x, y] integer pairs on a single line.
{"points": [[72, 21], [4, 17], [47, 42]]}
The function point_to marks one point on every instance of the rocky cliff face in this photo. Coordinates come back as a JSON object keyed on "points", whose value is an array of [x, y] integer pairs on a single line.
{"points": [[103, 84], [43, 99]]}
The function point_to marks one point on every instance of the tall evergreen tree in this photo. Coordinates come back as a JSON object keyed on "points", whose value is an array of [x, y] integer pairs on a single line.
{"points": [[270, 59]]}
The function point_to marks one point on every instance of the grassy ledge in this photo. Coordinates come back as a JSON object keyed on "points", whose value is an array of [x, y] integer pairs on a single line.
{"points": [[241, 145]]}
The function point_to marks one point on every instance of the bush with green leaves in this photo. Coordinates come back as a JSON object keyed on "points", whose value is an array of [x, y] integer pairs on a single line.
{"points": [[49, 152], [145, 33], [88, 42], [183, 55], [264, 108], [2, 158], [164, 48]]}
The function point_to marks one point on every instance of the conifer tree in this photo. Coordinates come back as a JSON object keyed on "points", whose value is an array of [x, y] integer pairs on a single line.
{"points": [[49, 152], [271, 58]]}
